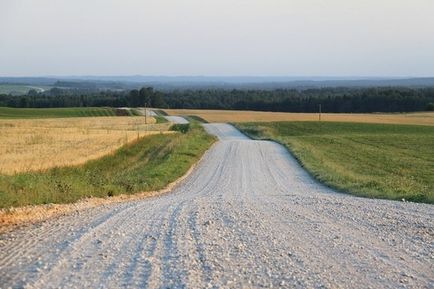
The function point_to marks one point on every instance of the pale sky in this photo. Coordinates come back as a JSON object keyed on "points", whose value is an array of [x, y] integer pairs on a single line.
{"points": [[217, 37]]}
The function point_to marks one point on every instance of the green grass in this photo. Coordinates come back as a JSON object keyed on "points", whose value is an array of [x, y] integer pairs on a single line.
{"points": [[180, 127], [20, 113], [148, 164], [370, 160], [134, 112], [196, 118], [160, 112], [160, 119], [160, 115]]}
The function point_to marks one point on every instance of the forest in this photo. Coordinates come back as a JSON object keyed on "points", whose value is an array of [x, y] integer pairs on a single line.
{"points": [[340, 99]]}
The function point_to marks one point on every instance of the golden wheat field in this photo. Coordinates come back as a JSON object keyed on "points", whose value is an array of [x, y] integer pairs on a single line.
{"points": [[421, 118], [29, 145]]}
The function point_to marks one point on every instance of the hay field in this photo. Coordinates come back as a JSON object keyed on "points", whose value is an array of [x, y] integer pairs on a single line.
{"points": [[29, 145], [421, 118]]}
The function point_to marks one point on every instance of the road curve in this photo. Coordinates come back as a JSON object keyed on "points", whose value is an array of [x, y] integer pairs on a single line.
{"points": [[247, 217], [176, 119]]}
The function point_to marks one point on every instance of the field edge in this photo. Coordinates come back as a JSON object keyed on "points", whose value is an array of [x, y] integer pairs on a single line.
{"points": [[316, 175], [14, 217]]}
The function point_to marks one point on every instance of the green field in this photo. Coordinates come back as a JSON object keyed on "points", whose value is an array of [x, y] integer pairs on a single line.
{"points": [[19, 89], [160, 119], [371, 160], [20, 113], [150, 163]]}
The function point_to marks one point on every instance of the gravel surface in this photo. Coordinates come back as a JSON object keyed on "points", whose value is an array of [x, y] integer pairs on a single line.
{"points": [[176, 119], [248, 217]]}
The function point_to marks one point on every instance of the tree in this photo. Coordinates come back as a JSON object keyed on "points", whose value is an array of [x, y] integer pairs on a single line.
{"points": [[146, 96], [32, 92], [24, 102], [133, 98], [157, 100]]}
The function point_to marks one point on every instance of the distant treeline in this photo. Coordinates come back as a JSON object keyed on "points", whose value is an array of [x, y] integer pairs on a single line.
{"points": [[57, 97], [286, 100]]}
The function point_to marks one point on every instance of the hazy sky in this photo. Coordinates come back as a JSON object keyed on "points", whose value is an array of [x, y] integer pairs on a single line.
{"points": [[217, 37]]}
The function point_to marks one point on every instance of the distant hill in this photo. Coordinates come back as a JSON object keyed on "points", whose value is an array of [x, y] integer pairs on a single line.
{"points": [[202, 82]]}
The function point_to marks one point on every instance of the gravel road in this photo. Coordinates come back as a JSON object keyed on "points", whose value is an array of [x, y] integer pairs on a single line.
{"points": [[176, 119], [247, 217]]}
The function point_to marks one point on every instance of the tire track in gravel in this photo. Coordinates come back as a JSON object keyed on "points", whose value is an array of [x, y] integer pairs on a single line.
{"points": [[247, 217]]}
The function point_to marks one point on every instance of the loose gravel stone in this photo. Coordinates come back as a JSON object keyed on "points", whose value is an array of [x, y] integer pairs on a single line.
{"points": [[248, 217]]}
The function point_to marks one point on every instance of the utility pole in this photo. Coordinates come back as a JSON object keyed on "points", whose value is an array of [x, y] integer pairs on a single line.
{"points": [[319, 108], [146, 118]]}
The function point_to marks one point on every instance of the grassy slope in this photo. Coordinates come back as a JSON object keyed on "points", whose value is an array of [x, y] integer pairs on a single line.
{"points": [[160, 116], [149, 164], [371, 160], [196, 118], [160, 112], [19, 113], [160, 119]]}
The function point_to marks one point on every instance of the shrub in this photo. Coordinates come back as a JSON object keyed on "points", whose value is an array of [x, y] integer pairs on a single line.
{"points": [[184, 128]]}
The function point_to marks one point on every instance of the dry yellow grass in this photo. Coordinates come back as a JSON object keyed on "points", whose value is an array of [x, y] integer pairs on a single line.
{"points": [[421, 118], [10, 218], [28, 145]]}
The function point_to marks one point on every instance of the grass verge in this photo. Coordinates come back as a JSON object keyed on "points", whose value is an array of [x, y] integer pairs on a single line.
{"points": [[160, 112], [196, 118], [371, 160], [20, 113], [160, 119], [148, 164]]}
